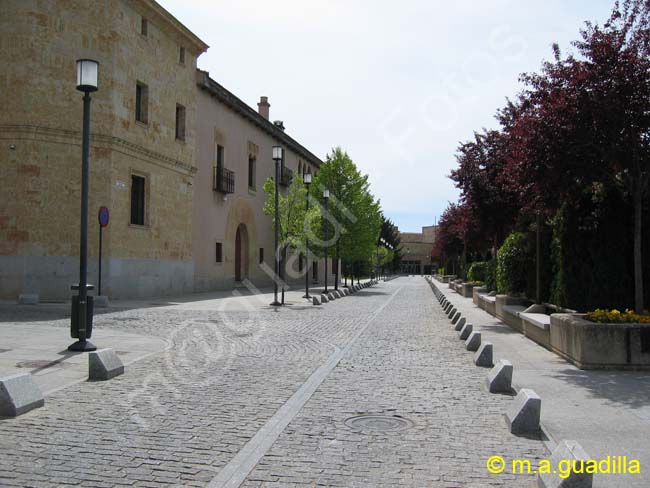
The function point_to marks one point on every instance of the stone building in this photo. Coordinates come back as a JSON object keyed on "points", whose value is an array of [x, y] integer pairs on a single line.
{"points": [[159, 130], [142, 146], [232, 239], [417, 248]]}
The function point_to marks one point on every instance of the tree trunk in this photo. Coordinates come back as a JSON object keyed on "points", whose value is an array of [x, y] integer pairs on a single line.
{"points": [[338, 268], [538, 271], [638, 258]]}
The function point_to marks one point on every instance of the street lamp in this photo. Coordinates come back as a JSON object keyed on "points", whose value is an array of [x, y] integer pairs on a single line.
{"points": [[326, 196], [277, 157], [81, 316], [307, 180]]}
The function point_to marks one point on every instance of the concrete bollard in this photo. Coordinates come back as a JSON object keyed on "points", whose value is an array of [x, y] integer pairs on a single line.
{"points": [[460, 324], [455, 318], [331, 296], [19, 394], [323, 298], [473, 342], [315, 300], [499, 379], [465, 332], [523, 415], [483, 356], [570, 454], [103, 365], [451, 312]]}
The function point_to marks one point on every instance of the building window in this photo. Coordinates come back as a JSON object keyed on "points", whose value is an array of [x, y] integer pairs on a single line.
{"points": [[220, 156], [180, 122], [251, 172], [137, 199], [261, 255], [141, 102], [218, 252], [144, 27], [181, 55]]}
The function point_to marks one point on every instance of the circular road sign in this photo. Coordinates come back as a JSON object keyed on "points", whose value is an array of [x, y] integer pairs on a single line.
{"points": [[103, 216]]}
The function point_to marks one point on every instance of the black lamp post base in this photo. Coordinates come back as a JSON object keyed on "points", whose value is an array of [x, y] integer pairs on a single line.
{"points": [[275, 304], [82, 346], [306, 295]]}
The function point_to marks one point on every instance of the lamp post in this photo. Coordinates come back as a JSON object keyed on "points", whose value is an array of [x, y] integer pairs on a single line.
{"points": [[81, 317], [326, 196], [307, 180], [277, 157]]}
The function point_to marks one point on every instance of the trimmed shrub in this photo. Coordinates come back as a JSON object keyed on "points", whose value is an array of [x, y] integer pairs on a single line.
{"points": [[477, 271], [512, 264]]}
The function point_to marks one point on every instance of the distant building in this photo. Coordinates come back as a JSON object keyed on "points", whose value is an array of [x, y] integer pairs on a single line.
{"points": [[417, 248]]}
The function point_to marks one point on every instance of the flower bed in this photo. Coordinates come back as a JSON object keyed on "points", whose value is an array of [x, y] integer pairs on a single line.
{"points": [[617, 317]]}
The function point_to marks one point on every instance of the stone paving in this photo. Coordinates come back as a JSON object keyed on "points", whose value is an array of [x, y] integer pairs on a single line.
{"points": [[179, 417]]}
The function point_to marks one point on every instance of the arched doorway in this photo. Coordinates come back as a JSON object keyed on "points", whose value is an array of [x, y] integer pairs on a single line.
{"points": [[241, 253]]}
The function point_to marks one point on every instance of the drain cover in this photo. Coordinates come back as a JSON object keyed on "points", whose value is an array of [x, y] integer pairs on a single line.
{"points": [[378, 423]]}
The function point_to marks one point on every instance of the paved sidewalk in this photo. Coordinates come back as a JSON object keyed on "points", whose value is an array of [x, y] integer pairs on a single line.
{"points": [[259, 395], [607, 412]]}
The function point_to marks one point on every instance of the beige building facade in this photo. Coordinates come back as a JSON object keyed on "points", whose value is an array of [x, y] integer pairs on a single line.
{"points": [[142, 146], [417, 249], [233, 240]]}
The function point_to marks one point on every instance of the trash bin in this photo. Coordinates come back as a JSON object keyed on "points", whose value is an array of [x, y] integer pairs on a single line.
{"points": [[74, 318]]}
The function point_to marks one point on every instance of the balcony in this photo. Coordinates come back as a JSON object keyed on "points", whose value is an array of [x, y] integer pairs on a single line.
{"points": [[223, 180], [286, 175]]}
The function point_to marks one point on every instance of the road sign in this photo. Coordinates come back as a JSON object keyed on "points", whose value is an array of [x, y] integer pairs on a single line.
{"points": [[103, 216]]}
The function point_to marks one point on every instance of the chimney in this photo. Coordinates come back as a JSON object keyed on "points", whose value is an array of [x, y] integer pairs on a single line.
{"points": [[263, 107], [279, 124]]}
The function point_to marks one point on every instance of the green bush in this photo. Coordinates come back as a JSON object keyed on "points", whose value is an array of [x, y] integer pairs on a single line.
{"points": [[491, 275], [477, 271], [512, 264]]}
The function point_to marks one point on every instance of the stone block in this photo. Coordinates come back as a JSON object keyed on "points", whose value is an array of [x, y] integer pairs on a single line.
{"points": [[499, 379], [103, 365], [100, 301], [451, 312], [473, 342], [19, 394], [465, 332], [483, 357], [572, 455], [455, 318], [346, 292], [28, 299], [315, 300], [460, 324], [523, 415], [323, 298], [331, 296]]}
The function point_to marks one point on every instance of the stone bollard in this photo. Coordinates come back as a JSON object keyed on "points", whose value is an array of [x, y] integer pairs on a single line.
{"points": [[483, 356], [523, 415], [499, 379], [451, 312], [473, 342], [465, 332], [19, 394], [331, 296], [323, 298], [460, 324], [455, 318], [570, 454], [103, 365], [315, 300]]}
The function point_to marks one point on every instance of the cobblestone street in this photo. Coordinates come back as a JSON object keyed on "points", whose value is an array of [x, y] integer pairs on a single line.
{"points": [[261, 397]]}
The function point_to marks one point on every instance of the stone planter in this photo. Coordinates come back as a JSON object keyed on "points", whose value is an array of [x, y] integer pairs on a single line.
{"points": [[476, 292], [466, 290], [507, 309], [590, 345], [448, 278]]}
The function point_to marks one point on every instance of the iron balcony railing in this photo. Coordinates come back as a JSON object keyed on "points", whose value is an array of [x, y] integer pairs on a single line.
{"points": [[223, 180], [286, 175]]}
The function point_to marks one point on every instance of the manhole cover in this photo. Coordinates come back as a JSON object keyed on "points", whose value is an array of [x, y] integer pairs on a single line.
{"points": [[378, 423]]}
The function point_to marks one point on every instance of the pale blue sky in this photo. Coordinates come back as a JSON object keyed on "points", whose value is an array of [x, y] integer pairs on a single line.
{"points": [[396, 84]]}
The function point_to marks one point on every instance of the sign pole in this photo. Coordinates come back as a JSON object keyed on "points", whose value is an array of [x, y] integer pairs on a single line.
{"points": [[99, 290]]}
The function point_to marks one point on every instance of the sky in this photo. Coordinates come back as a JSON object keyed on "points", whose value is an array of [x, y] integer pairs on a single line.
{"points": [[396, 84]]}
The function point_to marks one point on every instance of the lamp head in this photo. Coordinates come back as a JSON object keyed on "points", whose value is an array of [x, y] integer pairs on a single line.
{"points": [[87, 75]]}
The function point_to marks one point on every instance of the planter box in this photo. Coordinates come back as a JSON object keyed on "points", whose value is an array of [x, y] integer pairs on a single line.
{"points": [[466, 290], [589, 345], [477, 292], [507, 308], [537, 327], [488, 303], [448, 278]]}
